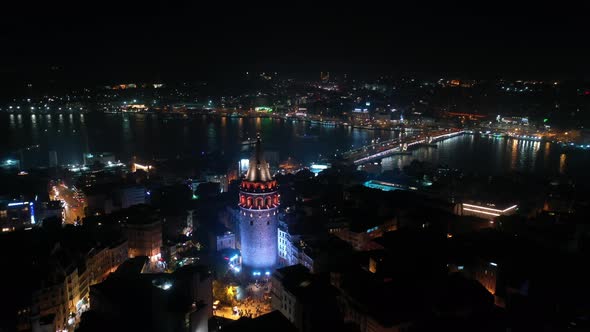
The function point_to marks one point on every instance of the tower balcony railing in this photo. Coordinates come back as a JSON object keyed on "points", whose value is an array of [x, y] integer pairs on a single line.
{"points": [[258, 208], [258, 191]]}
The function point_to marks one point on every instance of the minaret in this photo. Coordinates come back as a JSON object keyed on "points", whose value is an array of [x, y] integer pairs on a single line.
{"points": [[259, 203]]}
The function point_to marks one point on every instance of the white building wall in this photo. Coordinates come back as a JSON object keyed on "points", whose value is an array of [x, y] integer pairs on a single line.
{"points": [[132, 196]]}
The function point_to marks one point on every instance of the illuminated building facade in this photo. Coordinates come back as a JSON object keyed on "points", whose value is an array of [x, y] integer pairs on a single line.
{"points": [[227, 240], [258, 203], [485, 211], [103, 158], [59, 295], [16, 215], [145, 239]]}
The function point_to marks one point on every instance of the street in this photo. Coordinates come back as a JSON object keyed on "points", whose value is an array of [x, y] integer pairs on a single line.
{"points": [[73, 202]]}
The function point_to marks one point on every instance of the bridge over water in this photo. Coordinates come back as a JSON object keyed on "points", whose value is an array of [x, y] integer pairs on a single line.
{"points": [[387, 148]]}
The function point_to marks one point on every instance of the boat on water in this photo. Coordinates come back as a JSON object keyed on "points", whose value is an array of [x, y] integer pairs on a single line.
{"points": [[326, 123], [368, 127], [249, 142]]}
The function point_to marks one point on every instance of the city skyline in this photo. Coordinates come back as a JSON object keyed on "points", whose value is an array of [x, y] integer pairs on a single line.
{"points": [[425, 168]]}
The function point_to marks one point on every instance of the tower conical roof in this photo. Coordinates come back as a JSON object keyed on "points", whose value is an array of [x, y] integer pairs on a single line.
{"points": [[258, 171]]}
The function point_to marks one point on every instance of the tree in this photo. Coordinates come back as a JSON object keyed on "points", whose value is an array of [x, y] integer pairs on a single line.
{"points": [[225, 294]]}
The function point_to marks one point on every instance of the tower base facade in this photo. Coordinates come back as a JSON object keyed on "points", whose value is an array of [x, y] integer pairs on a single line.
{"points": [[258, 238]]}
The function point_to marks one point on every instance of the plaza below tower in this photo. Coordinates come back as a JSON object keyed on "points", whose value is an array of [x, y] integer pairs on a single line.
{"points": [[259, 203]]}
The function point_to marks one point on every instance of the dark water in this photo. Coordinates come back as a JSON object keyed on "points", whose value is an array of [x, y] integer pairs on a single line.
{"points": [[490, 155], [148, 136]]}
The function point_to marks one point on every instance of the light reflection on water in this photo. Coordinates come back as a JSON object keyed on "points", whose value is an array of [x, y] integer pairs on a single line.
{"points": [[488, 155], [149, 136], [562, 163]]}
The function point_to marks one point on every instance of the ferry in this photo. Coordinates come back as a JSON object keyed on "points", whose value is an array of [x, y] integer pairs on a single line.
{"points": [[249, 142]]}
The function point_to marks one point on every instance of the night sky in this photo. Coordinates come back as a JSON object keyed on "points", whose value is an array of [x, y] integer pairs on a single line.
{"points": [[110, 43]]}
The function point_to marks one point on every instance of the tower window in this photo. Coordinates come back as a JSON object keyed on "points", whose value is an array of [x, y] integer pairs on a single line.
{"points": [[251, 222]]}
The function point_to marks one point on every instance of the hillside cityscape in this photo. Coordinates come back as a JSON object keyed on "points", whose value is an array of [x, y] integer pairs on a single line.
{"points": [[271, 196]]}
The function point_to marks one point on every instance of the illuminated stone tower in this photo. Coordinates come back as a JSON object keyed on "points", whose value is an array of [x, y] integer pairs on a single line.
{"points": [[259, 202]]}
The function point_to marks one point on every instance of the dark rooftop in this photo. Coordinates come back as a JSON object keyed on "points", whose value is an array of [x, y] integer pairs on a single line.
{"points": [[271, 322], [292, 276], [132, 266]]}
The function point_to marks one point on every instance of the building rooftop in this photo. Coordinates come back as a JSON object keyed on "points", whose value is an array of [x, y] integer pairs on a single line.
{"points": [[140, 214], [293, 274], [300, 282], [271, 322], [140, 295], [388, 302], [132, 266]]}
